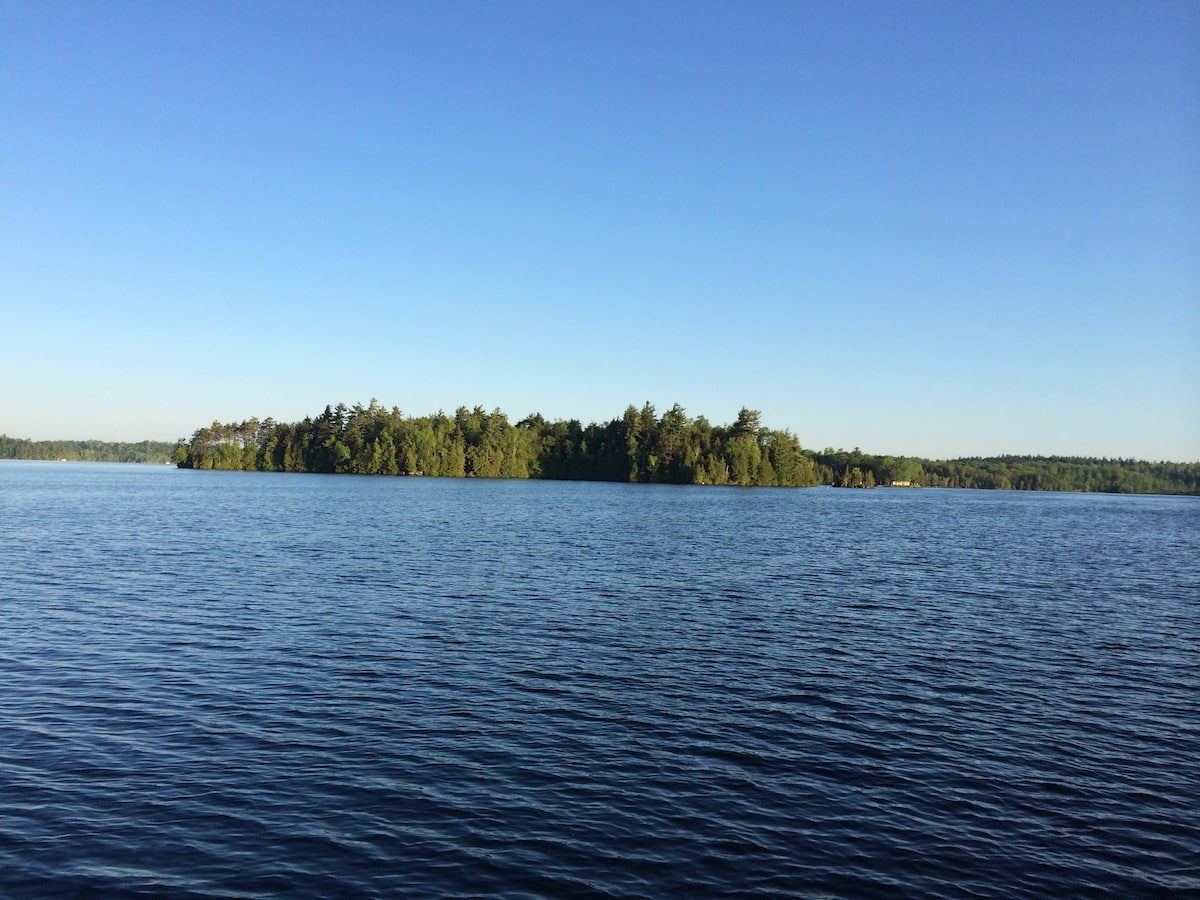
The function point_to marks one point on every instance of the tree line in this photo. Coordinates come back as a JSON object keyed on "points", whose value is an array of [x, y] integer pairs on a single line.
{"points": [[1020, 473], [88, 451], [640, 446]]}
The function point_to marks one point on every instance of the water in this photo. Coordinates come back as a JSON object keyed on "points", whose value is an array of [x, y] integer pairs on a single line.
{"points": [[224, 684]]}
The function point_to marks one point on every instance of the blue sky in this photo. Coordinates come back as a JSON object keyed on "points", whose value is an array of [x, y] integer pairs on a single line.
{"points": [[933, 229]]}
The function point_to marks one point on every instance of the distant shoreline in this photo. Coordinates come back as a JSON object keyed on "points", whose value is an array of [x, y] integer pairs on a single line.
{"points": [[640, 446], [87, 451]]}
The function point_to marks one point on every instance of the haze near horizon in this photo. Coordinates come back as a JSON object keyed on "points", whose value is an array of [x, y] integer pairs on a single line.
{"points": [[925, 229]]}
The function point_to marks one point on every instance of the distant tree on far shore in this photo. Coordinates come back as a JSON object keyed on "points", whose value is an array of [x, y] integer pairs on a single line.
{"points": [[639, 446], [87, 451]]}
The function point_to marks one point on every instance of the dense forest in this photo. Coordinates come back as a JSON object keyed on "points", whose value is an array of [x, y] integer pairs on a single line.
{"points": [[1021, 473], [87, 451], [640, 446]]}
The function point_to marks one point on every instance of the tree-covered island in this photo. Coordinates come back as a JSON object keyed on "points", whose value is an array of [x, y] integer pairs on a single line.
{"points": [[640, 446]]}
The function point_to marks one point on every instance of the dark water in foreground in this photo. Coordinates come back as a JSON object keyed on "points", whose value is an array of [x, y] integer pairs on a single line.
{"points": [[236, 685]]}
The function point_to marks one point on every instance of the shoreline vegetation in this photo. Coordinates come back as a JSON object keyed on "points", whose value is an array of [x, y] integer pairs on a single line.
{"points": [[640, 446], [88, 451]]}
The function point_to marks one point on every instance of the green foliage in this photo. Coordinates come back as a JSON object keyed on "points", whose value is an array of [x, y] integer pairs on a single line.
{"points": [[90, 451], [639, 446], [1023, 473]]}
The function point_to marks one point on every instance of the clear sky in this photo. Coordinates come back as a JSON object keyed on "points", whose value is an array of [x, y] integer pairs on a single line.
{"points": [[932, 229]]}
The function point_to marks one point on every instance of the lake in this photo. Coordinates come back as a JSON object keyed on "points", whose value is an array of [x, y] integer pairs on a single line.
{"points": [[234, 685]]}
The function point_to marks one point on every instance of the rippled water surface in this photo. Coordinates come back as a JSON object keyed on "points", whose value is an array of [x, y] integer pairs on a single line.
{"points": [[223, 684]]}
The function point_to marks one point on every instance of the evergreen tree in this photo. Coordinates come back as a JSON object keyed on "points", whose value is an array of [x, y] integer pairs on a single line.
{"points": [[635, 447]]}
